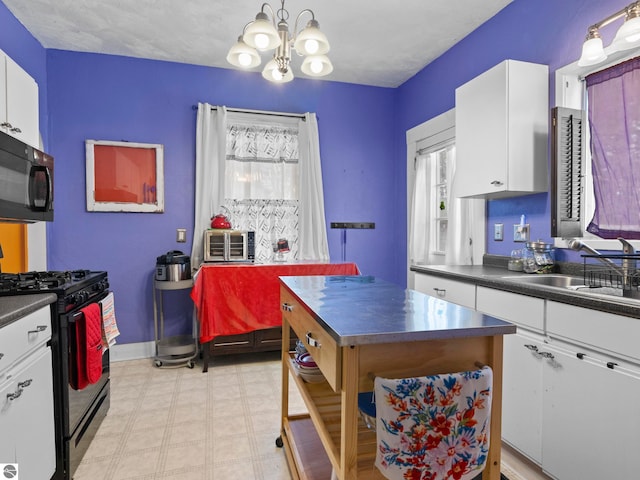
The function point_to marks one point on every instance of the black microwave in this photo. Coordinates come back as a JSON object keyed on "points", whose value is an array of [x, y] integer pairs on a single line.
{"points": [[26, 182]]}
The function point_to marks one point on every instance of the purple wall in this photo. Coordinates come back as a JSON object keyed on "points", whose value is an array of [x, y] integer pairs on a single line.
{"points": [[362, 136], [545, 31], [105, 97]]}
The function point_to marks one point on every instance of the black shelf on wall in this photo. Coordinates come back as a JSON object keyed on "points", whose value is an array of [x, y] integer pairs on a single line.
{"points": [[350, 225]]}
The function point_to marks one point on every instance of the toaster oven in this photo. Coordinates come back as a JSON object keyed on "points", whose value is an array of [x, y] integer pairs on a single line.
{"points": [[222, 245]]}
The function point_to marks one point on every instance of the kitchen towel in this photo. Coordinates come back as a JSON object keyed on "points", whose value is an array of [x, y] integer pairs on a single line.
{"points": [[434, 427], [88, 346], [109, 326]]}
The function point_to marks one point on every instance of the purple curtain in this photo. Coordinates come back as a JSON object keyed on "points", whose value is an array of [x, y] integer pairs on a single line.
{"points": [[614, 123]]}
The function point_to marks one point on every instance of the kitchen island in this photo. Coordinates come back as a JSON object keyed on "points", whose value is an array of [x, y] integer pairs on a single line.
{"points": [[359, 327]]}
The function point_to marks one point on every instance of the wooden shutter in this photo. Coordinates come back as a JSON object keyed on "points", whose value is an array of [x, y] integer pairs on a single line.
{"points": [[567, 177]]}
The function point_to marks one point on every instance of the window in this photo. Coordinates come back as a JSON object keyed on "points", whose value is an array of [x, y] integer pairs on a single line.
{"points": [[431, 197], [263, 169], [571, 93], [261, 184], [441, 228]]}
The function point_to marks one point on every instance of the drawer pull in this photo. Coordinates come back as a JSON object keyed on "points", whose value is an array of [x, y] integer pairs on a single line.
{"points": [[287, 308], [312, 341], [39, 328], [1, 355], [546, 354], [441, 292], [611, 365], [496, 183], [533, 348]]}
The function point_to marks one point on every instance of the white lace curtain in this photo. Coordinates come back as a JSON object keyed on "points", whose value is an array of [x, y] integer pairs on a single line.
{"points": [[262, 162], [265, 173]]}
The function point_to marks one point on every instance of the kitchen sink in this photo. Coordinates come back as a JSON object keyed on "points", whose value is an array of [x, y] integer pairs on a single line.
{"points": [[550, 280], [568, 282]]}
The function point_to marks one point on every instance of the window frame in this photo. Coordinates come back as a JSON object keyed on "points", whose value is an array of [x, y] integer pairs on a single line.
{"points": [[570, 90]]}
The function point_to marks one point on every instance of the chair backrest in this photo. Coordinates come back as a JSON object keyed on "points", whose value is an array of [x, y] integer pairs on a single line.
{"points": [[434, 427]]}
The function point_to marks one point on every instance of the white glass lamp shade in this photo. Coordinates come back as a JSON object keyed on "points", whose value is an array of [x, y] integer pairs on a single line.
{"points": [[628, 35], [272, 73], [316, 65], [242, 55], [311, 41], [261, 34], [592, 52]]}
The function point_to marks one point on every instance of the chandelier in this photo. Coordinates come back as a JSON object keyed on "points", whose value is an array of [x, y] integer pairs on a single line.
{"points": [[264, 34], [628, 36]]}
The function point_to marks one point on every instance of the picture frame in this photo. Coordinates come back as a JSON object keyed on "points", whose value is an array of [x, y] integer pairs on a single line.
{"points": [[124, 176]]}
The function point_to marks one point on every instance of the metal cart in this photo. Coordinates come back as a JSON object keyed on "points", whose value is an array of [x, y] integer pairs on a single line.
{"points": [[178, 349]]}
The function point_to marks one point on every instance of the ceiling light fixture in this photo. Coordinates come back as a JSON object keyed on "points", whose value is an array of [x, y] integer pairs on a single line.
{"points": [[265, 34], [627, 37]]}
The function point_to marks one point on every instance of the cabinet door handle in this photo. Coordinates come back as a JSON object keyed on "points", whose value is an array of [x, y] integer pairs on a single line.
{"points": [[25, 384], [1, 355], [441, 292], [16, 130], [287, 308], [12, 396], [546, 354], [312, 341], [6, 125], [533, 348], [39, 328], [496, 183]]}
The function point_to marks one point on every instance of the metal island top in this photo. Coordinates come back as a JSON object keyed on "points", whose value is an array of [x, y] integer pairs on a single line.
{"points": [[360, 310]]}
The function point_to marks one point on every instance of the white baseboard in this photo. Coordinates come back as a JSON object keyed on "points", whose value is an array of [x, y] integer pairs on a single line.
{"points": [[132, 351]]}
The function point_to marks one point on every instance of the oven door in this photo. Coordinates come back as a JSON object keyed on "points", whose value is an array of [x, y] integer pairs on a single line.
{"points": [[78, 402]]}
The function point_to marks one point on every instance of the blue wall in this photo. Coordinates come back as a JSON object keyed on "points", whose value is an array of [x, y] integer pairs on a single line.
{"points": [[362, 135], [544, 31], [105, 97]]}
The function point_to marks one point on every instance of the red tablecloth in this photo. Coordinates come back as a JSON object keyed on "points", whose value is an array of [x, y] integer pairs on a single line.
{"points": [[234, 299]]}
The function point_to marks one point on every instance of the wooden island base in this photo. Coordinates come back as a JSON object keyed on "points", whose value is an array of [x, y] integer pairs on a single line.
{"points": [[332, 435]]}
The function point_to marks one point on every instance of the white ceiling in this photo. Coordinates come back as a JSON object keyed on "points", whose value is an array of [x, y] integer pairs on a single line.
{"points": [[373, 42]]}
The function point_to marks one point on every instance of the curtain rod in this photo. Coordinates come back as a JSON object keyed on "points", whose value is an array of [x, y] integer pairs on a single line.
{"points": [[261, 112]]}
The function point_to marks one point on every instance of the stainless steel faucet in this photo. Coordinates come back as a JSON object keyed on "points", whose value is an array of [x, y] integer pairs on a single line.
{"points": [[577, 244], [628, 264]]}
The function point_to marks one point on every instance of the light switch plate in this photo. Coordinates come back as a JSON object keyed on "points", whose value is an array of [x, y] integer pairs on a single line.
{"points": [[521, 233], [498, 232], [181, 235]]}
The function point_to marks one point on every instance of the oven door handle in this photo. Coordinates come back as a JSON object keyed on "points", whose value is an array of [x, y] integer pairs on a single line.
{"points": [[73, 318]]}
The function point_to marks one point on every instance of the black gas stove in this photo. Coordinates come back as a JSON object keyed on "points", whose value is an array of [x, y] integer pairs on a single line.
{"points": [[78, 411], [73, 287]]}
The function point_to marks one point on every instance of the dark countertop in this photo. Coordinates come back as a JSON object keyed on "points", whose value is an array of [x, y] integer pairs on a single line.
{"points": [[357, 310], [503, 279], [17, 306]]}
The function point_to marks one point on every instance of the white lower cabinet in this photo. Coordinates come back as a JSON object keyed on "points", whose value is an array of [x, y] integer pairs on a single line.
{"points": [[27, 417], [571, 383], [590, 416], [522, 393], [460, 293]]}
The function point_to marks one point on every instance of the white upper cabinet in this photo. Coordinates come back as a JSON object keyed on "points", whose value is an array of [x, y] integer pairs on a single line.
{"points": [[501, 132], [18, 102]]}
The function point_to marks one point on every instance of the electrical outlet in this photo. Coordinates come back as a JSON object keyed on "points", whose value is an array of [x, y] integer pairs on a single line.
{"points": [[498, 232], [521, 233]]}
